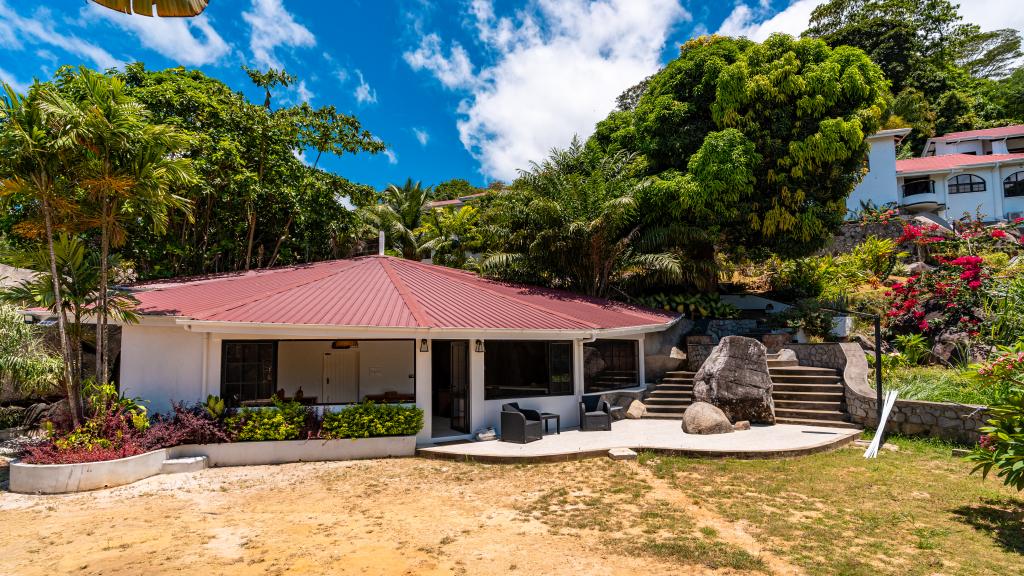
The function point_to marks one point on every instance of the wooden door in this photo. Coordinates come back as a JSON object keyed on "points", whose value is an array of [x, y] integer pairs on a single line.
{"points": [[340, 377]]}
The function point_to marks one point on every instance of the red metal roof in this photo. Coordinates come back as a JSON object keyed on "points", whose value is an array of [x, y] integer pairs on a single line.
{"points": [[987, 133], [385, 292], [950, 161]]}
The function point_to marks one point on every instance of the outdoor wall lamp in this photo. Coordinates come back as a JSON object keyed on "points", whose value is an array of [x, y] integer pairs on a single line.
{"points": [[424, 347], [479, 345]]}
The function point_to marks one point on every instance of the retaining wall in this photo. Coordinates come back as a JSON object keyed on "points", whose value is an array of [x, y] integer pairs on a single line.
{"points": [[953, 422], [63, 478]]}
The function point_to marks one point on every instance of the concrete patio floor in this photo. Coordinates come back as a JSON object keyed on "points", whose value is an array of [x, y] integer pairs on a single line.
{"points": [[660, 436]]}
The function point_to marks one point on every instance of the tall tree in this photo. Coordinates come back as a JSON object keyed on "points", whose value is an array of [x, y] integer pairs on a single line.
{"points": [[128, 169], [569, 226], [754, 147], [32, 158], [450, 235]]}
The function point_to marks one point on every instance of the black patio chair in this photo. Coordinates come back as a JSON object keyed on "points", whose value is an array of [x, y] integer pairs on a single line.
{"points": [[595, 414], [520, 425]]}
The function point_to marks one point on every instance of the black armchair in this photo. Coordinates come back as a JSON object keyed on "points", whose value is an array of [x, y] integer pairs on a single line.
{"points": [[520, 425], [595, 414]]}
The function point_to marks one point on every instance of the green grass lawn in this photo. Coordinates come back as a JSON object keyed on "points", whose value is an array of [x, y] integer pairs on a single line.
{"points": [[911, 512]]}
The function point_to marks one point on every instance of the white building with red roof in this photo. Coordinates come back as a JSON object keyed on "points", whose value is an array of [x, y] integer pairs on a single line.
{"points": [[977, 171], [383, 329]]}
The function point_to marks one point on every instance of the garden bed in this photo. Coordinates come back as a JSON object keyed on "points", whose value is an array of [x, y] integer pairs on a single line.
{"points": [[80, 477]]}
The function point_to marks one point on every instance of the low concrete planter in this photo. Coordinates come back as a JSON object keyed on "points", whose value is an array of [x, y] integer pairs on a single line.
{"points": [[283, 452], [63, 478]]}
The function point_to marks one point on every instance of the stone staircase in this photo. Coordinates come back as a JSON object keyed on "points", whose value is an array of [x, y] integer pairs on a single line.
{"points": [[802, 395]]}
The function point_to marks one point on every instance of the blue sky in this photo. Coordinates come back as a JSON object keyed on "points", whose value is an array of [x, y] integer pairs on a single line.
{"points": [[470, 89]]}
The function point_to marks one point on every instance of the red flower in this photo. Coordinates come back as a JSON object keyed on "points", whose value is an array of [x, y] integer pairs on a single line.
{"points": [[923, 325], [997, 233], [974, 284]]}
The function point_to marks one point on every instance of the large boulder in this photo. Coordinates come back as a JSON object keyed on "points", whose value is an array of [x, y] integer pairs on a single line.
{"points": [[703, 418], [661, 350], [735, 378]]}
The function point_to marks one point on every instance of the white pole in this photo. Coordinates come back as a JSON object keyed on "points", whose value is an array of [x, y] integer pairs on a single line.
{"points": [[380, 244], [872, 451]]}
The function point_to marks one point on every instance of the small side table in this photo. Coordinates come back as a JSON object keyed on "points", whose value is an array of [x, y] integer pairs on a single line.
{"points": [[546, 417]]}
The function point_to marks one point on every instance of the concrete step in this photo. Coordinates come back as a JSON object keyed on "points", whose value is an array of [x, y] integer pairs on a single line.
{"points": [[795, 387], [778, 395], [678, 401], [677, 380], [802, 371], [810, 414], [659, 393], [676, 387], [782, 363], [805, 379], [680, 374], [835, 406], [664, 415], [190, 464], [812, 422]]}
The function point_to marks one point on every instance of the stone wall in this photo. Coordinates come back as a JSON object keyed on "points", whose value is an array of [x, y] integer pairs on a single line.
{"points": [[952, 422], [719, 328], [852, 234]]}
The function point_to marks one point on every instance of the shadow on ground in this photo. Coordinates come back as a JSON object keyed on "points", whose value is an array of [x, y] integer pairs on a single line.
{"points": [[1003, 518]]}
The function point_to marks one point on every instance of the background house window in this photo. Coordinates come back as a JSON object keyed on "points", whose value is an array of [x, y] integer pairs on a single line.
{"points": [[1013, 185], [524, 368], [966, 183], [610, 365], [249, 370]]}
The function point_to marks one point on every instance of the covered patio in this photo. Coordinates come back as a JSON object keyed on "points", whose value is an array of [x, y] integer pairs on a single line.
{"points": [[659, 436]]}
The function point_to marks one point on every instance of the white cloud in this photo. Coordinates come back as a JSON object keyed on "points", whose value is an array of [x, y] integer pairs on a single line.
{"points": [[558, 66], [302, 92], [364, 93], [273, 27], [19, 86], [757, 22], [993, 14], [422, 136], [342, 75], [39, 29], [188, 41], [300, 155], [454, 70], [392, 159]]}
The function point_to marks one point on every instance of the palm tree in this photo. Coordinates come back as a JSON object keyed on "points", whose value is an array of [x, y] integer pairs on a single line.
{"points": [[450, 235], [399, 212], [128, 169], [32, 158], [566, 225], [79, 270], [164, 8]]}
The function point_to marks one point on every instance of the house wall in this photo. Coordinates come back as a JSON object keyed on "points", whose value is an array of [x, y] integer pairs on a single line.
{"points": [[879, 184], [162, 364], [384, 365]]}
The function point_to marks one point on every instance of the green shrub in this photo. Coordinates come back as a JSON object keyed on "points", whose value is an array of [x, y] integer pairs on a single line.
{"points": [[10, 417], [1002, 446], [369, 419], [285, 421], [694, 306], [937, 384], [914, 348]]}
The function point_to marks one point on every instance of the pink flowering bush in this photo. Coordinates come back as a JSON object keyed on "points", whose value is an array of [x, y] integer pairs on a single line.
{"points": [[944, 299], [1002, 445]]}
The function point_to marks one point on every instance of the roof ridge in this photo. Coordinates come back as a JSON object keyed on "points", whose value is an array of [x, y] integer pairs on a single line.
{"points": [[421, 316], [274, 292], [483, 286]]}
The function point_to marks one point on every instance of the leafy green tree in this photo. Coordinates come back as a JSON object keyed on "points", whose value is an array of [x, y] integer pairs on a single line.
{"points": [[565, 225], [454, 188], [32, 159], [399, 213], [750, 148]]}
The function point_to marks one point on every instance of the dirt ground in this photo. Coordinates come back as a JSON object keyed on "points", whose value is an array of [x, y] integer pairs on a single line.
{"points": [[407, 516]]}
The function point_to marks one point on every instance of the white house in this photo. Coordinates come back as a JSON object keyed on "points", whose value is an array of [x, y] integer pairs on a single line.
{"points": [[978, 171], [386, 329]]}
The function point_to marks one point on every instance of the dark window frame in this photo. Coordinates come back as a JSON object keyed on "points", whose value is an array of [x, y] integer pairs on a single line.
{"points": [[972, 184], [612, 343], [224, 367], [1014, 188], [565, 388], [915, 187]]}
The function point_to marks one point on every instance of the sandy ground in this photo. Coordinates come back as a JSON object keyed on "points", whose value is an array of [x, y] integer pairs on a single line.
{"points": [[406, 516]]}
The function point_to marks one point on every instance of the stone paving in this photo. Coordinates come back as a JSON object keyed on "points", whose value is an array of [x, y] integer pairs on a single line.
{"points": [[663, 436]]}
